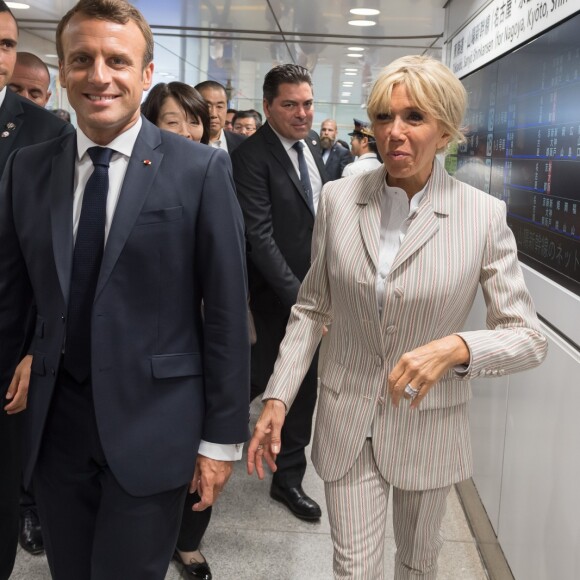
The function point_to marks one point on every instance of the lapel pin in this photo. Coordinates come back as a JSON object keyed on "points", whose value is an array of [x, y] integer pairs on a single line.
{"points": [[5, 134], [313, 141], [10, 126], [146, 162]]}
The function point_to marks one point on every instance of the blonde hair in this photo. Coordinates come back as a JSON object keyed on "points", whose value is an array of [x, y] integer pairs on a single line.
{"points": [[431, 87]]}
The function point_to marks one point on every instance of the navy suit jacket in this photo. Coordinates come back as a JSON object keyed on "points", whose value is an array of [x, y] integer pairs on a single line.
{"points": [[162, 377], [338, 159]]}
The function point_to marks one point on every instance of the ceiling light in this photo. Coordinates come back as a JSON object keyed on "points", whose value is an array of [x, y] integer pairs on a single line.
{"points": [[355, 55], [345, 94], [351, 70], [17, 5], [362, 22], [365, 11], [355, 48], [344, 101], [51, 55], [350, 74], [348, 83]]}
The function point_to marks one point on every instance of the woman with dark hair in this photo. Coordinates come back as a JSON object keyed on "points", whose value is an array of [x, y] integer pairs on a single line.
{"points": [[179, 108]]}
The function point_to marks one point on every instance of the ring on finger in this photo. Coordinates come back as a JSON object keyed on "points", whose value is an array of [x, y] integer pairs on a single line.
{"points": [[412, 392]]}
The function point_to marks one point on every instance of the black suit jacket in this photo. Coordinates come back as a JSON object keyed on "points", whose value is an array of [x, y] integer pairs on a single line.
{"points": [[162, 378], [23, 122], [279, 224], [233, 140], [338, 159]]}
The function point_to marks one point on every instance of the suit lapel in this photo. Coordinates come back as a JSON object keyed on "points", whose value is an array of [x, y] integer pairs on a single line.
{"points": [[370, 216], [61, 210], [136, 186], [10, 123], [278, 151]]}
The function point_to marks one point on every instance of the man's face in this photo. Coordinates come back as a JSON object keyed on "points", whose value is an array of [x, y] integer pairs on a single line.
{"points": [[327, 134], [217, 102], [292, 111], [104, 75], [8, 41], [355, 145], [245, 126], [229, 124], [31, 82]]}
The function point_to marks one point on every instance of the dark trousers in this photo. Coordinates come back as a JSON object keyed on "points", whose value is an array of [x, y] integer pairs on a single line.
{"points": [[193, 525], [10, 467], [93, 529], [297, 429]]}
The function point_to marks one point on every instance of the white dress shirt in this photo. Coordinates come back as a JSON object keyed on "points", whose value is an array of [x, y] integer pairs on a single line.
{"points": [[220, 142], [123, 146], [2, 95], [313, 173]]}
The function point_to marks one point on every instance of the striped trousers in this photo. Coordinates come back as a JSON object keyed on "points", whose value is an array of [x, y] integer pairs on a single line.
{"points": [[357, 509]]}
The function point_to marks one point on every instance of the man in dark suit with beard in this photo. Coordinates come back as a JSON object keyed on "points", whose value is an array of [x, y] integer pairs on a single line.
{"points": [[21, 123], [279, 174], [334, 155]]}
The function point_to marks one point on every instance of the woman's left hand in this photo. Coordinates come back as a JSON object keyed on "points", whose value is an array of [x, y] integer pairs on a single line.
{"points": [[423, 367]]}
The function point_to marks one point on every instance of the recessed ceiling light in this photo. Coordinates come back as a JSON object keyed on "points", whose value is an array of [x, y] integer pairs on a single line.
{"points": [[348, 85], [17, 5], [51, 55], [163, 74], [355, 48], [345, 94], [365, 11], [355, 55], [362, 22], [350, 74], [351, 70]]}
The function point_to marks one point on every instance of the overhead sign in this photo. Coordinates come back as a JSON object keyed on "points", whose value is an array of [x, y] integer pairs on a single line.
{"points": [[502, 26]]}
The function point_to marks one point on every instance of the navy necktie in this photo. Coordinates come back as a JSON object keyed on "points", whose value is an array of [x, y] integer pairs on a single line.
{"points": [[87, 257], [304, 176]]}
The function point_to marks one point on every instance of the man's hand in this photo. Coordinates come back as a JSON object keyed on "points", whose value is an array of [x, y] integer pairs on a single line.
{"points": [[209, 478], [265, 443], [18, 390]]}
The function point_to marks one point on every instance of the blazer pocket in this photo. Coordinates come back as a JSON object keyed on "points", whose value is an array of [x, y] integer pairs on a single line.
{"points": [[169, 366], [38, 367], [156, 216], [332, 376]]}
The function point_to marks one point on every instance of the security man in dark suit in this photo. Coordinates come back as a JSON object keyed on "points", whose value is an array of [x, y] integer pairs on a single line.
{"points": [[134, 395], [334, 155], [279, 174], [21, 123]]}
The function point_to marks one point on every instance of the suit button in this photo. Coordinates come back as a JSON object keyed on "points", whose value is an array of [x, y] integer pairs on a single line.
{"points": [[63, 319]]}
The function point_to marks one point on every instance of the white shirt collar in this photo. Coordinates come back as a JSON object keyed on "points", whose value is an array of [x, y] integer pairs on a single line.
{"points": [[3, 95], [123, 143], [286, 143]]}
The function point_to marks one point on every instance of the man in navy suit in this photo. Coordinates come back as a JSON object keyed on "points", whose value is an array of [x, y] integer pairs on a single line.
{"points": [[21, 123], [147, 397], [334, 155]]}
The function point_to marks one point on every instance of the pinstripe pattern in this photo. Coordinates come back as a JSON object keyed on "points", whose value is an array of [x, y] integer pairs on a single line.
{"points": [[458, 240], [357, 509]]}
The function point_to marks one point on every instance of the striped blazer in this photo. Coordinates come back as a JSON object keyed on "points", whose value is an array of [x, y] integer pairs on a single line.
{"points": [[458, 240]]}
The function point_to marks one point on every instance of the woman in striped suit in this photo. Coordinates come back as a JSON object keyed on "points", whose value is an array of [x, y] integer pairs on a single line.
{"points": [[399, 254]]}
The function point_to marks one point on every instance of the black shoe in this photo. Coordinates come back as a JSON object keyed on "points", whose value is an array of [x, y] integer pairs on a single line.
{"points": [[30, 536], [297, 501], [194, 569]]}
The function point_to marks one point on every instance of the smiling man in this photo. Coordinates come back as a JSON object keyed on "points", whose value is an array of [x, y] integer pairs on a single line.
{"points": [[133, 396], [279, 174]]}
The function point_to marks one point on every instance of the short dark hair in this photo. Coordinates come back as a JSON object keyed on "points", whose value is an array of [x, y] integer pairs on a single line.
{"points": [[257, 113], [4, 8], [61, 114], [119, 11], [187, 98], [250, 114], [30, 60], [234, 111], [292, 74], [371, 143], [211, 85]]}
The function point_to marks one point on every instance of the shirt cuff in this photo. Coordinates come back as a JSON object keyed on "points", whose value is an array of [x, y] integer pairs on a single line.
{"points": [[221, 452]]}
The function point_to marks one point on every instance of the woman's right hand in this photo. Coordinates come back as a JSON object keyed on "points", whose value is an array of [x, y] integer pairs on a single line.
{"points": [[265, 442]]}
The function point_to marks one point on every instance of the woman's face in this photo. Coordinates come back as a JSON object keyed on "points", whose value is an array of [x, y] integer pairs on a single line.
{"points": [[407, 140], [173, 118]]}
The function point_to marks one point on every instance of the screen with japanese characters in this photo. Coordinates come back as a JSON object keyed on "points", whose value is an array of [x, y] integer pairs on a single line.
{"points": [[523, 146]]}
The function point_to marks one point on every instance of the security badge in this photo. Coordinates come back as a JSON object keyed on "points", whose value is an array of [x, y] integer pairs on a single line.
{"points": [[6, 133]]}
